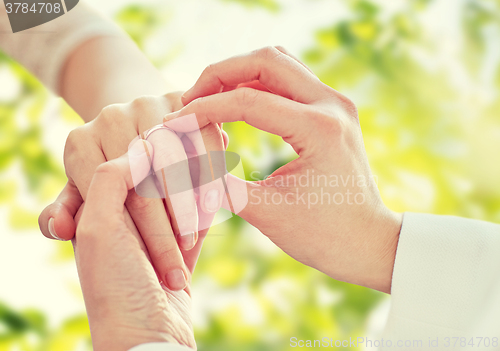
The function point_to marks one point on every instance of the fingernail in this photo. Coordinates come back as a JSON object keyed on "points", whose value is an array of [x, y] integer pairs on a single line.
{"points": [[170, 117], [212, 200], [188, 240], [52, 229], [164, 287], [176, 280], [187, 92]]}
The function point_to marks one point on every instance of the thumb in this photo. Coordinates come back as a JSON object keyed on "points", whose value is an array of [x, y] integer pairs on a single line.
{"points": [[57, 220]]}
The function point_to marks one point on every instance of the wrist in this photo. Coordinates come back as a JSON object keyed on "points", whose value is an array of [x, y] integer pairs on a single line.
{"points": [[384, 232], [368, 250]]}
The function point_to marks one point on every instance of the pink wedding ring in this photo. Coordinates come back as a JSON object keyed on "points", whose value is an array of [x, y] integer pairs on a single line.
{"points": [[145, 135]]}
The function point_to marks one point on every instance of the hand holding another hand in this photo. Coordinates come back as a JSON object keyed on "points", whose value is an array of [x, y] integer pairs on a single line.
{"points": [[126, 306], [323, 208], [172, 245]]}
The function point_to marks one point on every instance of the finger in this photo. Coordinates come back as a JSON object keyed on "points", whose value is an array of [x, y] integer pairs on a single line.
{"points": [[256, 84], [209, 145], [253, 84], [225, 138], [112, 180], [251, 201], [172, 171], [81, 163], [277, 71], [156, 231], [262, 110], [152, 222], [190, 257], [80, 166], [174, 99], [57, 220], [146, 206], [150, 110], [157, 234], [286, 52]]}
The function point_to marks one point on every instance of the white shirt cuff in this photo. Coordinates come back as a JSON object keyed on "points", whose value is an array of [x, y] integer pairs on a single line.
{"points": [[445, 271]]}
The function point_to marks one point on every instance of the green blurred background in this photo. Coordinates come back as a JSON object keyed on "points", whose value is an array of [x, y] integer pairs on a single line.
{"points": [[425, 76]]}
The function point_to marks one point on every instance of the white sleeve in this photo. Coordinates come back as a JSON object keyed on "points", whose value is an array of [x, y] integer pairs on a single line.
{"points": [[160, 346], [43, 50], [446, 281]]}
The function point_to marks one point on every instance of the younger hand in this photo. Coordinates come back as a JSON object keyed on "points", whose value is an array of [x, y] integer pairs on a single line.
{"points": [[323, 208]]}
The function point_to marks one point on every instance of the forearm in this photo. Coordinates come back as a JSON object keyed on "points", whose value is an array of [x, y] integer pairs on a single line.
{"points": [[107, 70]]}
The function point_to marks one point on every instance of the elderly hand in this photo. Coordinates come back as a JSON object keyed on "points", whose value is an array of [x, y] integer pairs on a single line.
{"points": [[107, 137], [125, 303], [323, 208]]}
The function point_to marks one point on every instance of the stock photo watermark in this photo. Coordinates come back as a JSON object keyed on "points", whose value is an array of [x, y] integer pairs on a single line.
{"points": [[207, 176], [439, 343], [27, 14], [188, 184], [311, 189]]}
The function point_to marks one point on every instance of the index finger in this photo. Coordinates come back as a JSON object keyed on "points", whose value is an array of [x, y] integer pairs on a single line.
{"points": [[277, 71]]}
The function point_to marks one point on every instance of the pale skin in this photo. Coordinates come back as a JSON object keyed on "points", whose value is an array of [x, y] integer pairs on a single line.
{"points": [[273, 91], [126, 305], [113, 87]]}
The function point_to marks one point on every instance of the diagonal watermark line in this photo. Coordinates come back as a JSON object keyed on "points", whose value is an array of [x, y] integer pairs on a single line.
{"points": [[64, 6]]}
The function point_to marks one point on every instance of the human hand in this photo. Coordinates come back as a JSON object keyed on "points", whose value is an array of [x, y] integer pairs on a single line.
{"points": [[126, 306], [107, 137], [336, 222]]}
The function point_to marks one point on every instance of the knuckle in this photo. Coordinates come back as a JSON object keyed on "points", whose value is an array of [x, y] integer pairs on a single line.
{"points": [[201, 106], [210, 130], [90, 231], [268, 52], [110, 115], [75, 137], [349, 107], [108, 169], [167, 252], [174, 99], [86, 230], [139, 203], [209, 70], [281, 48], [76, 146], [143, 102], [325, 121], [212, 133], [168, 156], [247, 96]]}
